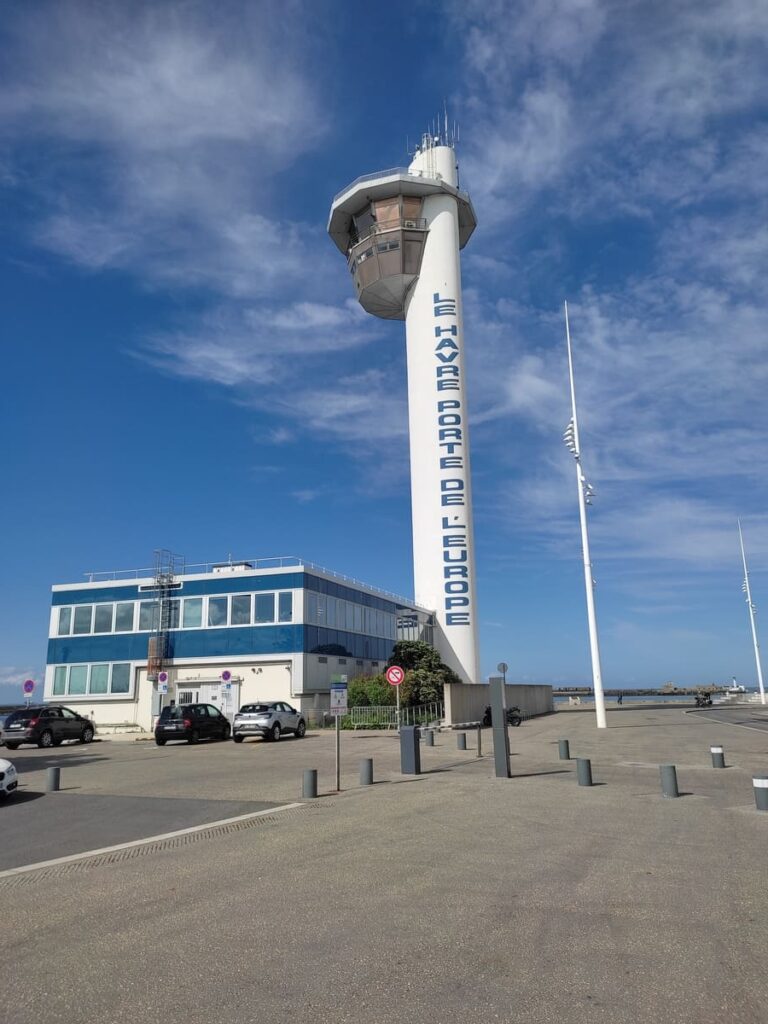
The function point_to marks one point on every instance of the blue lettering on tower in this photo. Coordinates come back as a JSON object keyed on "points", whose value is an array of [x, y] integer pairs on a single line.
{"points": [[450, 434]]}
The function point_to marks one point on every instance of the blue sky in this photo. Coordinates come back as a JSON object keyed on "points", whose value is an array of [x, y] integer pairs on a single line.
{"points": [[185, 365]]}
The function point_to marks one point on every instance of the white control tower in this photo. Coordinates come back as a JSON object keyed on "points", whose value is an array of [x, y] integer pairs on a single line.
{"points": [[401, 231]]}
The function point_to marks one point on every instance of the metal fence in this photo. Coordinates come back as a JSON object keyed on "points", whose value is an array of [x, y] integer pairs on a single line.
{"points": [[385, 716]]}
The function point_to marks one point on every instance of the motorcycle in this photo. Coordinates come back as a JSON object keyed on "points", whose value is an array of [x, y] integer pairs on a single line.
{"points": [[703, 700], [514, 716]]}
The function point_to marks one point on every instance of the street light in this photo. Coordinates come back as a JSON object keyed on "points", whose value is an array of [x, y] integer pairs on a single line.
{"points": [[748, 594], [586, 493]]}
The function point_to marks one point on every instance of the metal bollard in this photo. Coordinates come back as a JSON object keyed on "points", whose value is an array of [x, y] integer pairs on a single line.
{"points": [[309, 784], [461, 741], [430, 737], [668, 774], [760, 789], [564, 748], [52, 780], [366, 771], [718, 757], [479, 741], [584, 771]]}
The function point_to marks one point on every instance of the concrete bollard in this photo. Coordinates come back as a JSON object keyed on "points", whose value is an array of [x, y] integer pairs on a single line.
{"points": [[760, 789], [668, 774], [564, 749], [584, 771], [52, 780], [479, 741], [430, 737], [461, 740], [366, 771], [718, 757], [309, 784]]}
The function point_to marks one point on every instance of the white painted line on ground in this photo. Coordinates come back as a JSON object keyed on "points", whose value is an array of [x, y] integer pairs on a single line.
{"points": [[143, 842]]}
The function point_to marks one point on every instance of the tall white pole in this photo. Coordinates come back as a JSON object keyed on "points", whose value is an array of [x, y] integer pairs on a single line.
{"points": [[594, 647], [748, 592]]}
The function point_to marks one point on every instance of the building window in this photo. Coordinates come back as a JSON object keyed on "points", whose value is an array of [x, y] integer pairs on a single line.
{"points": [[217, 611], [124, 617], [99, 681], [65, 621], [83, 615], [121, 678], [240, 613], [342, 661], [148, 615], [311, 606], [193, 613], [60, 680], [285, 607], [78, 679], [265, 608], [102, 618]]}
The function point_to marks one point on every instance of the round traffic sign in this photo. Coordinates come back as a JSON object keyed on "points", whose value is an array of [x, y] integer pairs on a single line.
{"points": [[29, 685], [395, 675], [226, 675], [502, 666], [163, 677]]}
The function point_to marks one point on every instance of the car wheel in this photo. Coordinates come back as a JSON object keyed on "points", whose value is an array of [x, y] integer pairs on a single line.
{"points": [[87, 735], [12, 746], [159, 742], [301, 729], [46, 739], [274, 732], [237, 739], [194, 736]]}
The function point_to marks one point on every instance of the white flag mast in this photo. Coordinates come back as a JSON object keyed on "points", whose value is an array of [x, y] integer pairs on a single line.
{"points": [[586, 492], [748, 592]]}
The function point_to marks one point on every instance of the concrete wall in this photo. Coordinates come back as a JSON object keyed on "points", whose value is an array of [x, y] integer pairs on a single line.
{"points": [[466, 703]]}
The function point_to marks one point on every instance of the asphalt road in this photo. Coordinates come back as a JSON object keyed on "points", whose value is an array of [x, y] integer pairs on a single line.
{"points": [[451, 896], [754, 716]]}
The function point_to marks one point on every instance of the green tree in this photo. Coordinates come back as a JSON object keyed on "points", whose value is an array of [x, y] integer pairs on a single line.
{"points": [[425, 672]]}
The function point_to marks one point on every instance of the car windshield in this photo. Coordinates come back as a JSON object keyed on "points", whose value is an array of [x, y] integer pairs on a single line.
{"points": [[25, 715], [254, 709], [177, 711]]}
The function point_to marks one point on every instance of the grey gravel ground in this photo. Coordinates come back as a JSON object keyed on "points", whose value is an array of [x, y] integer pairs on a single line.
{"points": [[452, 896]]}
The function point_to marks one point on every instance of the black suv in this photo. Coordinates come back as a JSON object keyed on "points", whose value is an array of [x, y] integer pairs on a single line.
{"points": [[47, 725], [191, 722]]}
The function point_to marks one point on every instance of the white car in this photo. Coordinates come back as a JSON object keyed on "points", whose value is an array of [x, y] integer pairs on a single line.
{"points": [[268, 719], [9, 780]]}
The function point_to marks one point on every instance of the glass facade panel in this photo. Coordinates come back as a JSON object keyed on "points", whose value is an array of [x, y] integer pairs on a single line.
{"points": [[65, 621], [174, 608], [102, 618], [99, 679], [124, 617], [83, 615], [358, 618], [59, 680], [285, 609], [311, 606], [121, 679], [240, 614], [217, 611], [265, 608], [78, 677], [148, 615], [349, 614], [193, 613]]}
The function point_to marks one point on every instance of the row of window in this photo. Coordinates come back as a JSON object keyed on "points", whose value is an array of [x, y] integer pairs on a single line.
{"points": [[324, 610], [79, 680], [189, 613]]}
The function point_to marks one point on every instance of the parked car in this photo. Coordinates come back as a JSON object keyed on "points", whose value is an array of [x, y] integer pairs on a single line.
{"points": [[191, 722], [3, 716], [268, 719], [46, 725], [8, 777]]}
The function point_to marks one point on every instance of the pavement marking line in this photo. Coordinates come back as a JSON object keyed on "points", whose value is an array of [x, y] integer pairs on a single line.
{"points": [[25, 868]]}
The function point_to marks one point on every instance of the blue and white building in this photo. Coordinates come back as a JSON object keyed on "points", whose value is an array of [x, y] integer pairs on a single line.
{"points": [[123, 645]]}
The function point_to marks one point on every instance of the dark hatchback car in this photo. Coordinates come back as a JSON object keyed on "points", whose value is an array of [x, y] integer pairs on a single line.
{"points": [[47, 726], [191, 722]]}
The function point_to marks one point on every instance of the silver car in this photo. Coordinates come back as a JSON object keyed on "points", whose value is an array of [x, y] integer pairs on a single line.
{"points": [[268, 719]]}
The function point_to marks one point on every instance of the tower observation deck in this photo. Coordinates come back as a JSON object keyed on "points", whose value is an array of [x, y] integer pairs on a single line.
{"points": [[401, 231]]}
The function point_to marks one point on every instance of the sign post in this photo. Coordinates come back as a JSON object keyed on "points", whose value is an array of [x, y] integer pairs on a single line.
{"points": [[338, 708], [29, 689], [395, 675]]}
